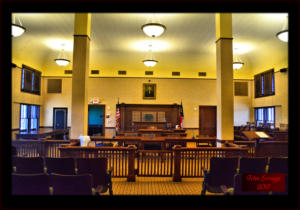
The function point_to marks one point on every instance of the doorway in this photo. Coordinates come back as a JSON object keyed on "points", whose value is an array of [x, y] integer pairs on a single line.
{"points": [[60, 118], [208, 121], [96, 120]]}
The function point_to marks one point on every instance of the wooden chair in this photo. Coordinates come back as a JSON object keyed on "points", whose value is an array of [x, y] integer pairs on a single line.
{"points": [[253, 165], [30, 184], [279, 165], [26, 165], [237, 188], [221, 172], [97, 167], [71, 184], [64, 166]]}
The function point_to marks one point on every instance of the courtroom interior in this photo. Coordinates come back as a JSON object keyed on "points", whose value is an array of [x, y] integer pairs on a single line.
{"points": [[109, 104]]}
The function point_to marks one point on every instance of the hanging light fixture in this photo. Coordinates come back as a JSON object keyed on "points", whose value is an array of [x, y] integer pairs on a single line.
{"points": [[153, 29], [150, 62], [17, 29], [283, 35], [62, 60], [237, 64]]}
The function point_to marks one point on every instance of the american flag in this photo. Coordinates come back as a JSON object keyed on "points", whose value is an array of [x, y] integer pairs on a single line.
{"points": [[181, 115], [118, 117]]}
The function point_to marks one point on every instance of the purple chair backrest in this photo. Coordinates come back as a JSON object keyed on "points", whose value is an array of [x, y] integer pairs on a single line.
{"points": [[30, 184], [253, 165], [26, 165], [71, 184], [222, 171], [60, 165], [95, 166]]}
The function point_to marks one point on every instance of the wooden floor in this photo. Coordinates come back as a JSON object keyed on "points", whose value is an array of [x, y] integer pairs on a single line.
{"points": [[157, 186]]}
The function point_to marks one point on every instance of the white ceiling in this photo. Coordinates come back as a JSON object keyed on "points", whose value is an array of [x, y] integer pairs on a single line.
{"points": [[118, 43]]}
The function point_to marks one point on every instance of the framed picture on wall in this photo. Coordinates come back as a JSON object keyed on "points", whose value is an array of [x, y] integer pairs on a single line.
{"points": [[149, 91]]}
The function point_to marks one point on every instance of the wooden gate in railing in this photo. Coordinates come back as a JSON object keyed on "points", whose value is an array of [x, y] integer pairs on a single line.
{"points": [[119, 159], [154, 163], [189, 162]]}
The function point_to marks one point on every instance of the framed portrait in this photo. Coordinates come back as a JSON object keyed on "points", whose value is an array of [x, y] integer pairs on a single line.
{"points": [[149, 91]]}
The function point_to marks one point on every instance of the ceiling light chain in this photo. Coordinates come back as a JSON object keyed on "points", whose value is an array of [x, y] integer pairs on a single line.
{"points": [[237, 64], [62, 59], [150, 62]]}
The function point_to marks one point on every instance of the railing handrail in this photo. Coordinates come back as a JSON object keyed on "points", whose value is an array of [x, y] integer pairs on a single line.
{"points": [[209, 148], [95, 148]]}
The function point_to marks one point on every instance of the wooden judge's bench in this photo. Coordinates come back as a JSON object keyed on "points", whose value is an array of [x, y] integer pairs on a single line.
{"points": [[155, 119]]}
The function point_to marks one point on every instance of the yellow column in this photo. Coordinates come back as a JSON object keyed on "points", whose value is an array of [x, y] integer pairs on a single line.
{"points": [[225, 112], [81, 55]]}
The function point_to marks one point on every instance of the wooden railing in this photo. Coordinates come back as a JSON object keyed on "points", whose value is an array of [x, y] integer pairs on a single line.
{"points": [[129, 161], [249, 144], [155, 163], [38, 148], [189, 162], [120, 159]]}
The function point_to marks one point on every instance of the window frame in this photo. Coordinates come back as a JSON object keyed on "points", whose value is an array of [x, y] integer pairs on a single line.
{"points": [[265, 115], [29, 118], [35, 74], [263, 88]]}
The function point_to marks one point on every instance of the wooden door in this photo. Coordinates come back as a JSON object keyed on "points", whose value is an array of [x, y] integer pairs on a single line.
{"points": [[60, 117], [208, 121]]}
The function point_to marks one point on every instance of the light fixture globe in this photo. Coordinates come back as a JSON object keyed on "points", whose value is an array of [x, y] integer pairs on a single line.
{"points": [[153, 29], [150, 63], [237, 65], [283, 35], [62, 62], [17, 30]]}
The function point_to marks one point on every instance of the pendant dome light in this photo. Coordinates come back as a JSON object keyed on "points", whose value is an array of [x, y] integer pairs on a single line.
{"points": [[153, 29], [283, 35], [17, 29], [62, 60], [237, 64], [150, 61]]}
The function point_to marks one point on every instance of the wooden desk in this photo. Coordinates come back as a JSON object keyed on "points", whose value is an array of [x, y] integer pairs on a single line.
{"points": [[41, 133]]}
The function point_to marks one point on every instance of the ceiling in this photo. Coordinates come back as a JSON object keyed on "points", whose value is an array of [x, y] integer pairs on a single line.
{"points": [[118, 43]]}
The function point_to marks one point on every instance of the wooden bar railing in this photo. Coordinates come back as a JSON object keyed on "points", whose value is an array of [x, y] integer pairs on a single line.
{"points": [[120, 159], [189, 162], [38, 148]]}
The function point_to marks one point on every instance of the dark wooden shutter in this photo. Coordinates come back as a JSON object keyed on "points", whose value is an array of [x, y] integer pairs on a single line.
{"points": [[37, 82], [257, 81], [268, 83], [27, 80]]}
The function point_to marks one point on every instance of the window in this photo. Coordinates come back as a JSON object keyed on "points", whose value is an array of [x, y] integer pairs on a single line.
{"points": [[31, 80], [264, 115], [29, 117], [264, 84]]}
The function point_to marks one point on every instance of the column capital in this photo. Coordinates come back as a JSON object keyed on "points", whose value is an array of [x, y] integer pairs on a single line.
{"points": [[82, 25], [223, 25]]}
